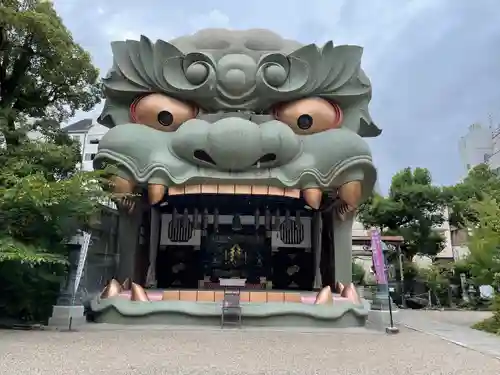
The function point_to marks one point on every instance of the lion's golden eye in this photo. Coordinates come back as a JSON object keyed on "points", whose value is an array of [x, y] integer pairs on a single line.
{"points": [[310, 115], [161, 112]]}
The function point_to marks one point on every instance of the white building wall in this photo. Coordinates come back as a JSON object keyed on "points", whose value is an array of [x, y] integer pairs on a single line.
{"points": [[476, 146], [448, 250], [358, 230], [80, 138], [90, 145]]}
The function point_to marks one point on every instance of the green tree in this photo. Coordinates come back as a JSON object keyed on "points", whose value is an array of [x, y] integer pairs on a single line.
{"points": [[484, 242], [44, 74], [412, 208], [358, 273], [44, 198], [480, 180], [484, 257]]}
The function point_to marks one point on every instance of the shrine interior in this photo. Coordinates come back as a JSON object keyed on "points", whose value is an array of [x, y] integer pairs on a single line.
{"points": [[263, 239]]}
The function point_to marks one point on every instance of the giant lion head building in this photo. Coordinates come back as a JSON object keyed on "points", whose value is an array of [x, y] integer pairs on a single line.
{"points": [[243, 157]]}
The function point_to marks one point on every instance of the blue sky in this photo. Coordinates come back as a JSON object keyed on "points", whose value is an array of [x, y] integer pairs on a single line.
{"points": [[434, 64]]}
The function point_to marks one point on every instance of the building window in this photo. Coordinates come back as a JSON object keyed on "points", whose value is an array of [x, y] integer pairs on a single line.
{"points": [[75, 138], [94, 141], [89, 157]]}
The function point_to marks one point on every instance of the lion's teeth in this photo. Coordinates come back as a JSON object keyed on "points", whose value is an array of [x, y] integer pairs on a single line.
{"points": [[234, 189]]}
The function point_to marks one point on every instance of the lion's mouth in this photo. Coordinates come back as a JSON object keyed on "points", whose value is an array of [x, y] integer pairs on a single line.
{"points": [[312, 196], [350, 192]]}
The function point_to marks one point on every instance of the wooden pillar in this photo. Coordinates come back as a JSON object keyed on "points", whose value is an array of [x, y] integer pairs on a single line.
{"points": [[316, 248], [343, 248], [154, 242], [142, 255], [327, 249], [129, 225]]}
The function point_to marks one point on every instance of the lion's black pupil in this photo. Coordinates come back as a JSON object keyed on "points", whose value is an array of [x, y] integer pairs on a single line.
{"points": [[304, 122], [165, 118]]}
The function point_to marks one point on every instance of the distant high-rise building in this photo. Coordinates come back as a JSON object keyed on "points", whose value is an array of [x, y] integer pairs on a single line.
{"points": [[480, 145], [494, 159], [476, 146]]}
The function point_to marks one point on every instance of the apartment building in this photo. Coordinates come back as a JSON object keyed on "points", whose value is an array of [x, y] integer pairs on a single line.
{"points": [[481, 144], [88, 134]]}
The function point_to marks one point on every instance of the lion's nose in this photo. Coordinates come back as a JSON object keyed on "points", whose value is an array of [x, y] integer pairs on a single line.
{"points": [[235, 144]]}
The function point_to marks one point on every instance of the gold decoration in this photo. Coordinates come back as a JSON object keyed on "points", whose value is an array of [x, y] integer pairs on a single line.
{"points": [[234, 253]]}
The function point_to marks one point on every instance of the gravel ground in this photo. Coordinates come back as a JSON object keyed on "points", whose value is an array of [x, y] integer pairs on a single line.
{"points": [[115, 351]]}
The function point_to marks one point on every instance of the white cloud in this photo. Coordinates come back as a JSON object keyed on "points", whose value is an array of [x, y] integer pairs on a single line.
{"points": [[124, 25], [213, 19], [80, 115]]}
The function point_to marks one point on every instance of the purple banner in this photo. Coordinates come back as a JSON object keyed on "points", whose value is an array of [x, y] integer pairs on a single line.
{"points": [[378, 257]]}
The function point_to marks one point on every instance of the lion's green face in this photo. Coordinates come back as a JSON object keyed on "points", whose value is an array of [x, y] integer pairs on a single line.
{"points": [[233, 112]]}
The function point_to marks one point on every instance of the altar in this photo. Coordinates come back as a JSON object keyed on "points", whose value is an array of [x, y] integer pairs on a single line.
{"points": [[239, 256]]}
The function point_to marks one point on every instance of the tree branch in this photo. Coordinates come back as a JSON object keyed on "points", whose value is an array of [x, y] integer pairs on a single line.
{"points": [[6, 49], [21, 66]]}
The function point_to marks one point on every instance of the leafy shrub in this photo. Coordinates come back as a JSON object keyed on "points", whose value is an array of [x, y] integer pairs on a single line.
{"points": [[491, 325], [28, 291], [358, 274]]}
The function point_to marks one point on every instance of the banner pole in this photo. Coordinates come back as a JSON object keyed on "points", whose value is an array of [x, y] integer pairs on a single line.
{"points": [[381, 273]]}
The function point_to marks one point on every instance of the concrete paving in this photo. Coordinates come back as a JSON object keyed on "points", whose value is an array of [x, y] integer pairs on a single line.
{"points": [[121, 350], [453, 326], [461, 318]]}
